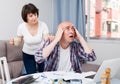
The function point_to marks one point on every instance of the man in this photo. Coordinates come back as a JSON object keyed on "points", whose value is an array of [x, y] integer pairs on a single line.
{"points": [[63, 53]]}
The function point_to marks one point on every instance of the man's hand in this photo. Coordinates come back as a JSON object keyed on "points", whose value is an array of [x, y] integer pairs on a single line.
{"points": [[77, 34], [59, 33]]}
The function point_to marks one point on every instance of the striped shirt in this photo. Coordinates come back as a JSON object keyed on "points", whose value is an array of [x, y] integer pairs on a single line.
{"points": [[77, 57]]}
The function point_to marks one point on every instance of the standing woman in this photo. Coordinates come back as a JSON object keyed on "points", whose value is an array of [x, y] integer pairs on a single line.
{"points": [[31, 32]]}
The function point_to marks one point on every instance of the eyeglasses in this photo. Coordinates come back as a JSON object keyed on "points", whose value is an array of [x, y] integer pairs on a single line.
{"points": [[69, 27]]}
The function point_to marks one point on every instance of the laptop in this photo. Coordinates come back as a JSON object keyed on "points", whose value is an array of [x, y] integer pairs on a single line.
{"points": [[113, 64]]}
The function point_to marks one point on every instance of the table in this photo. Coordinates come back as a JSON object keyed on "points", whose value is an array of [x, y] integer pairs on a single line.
{"points": [[50, 77], [44, 80]]}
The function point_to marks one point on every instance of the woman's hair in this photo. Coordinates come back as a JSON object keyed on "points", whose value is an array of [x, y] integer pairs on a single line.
{"points": [[29, 8]]}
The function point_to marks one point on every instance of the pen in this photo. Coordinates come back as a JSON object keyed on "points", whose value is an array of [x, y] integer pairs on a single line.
{"points": [[43, 76]]}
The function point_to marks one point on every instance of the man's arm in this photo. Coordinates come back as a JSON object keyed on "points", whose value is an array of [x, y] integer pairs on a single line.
{"points": [[48, 49], [38, 54], [84, 44], [48, 46], [89, 54]]}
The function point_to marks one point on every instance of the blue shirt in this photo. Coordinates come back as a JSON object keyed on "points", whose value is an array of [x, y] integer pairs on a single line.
{"points": [[77, 57]]}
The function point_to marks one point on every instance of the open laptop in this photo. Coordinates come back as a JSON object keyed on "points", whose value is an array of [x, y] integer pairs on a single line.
{"points": [[113, 64]]}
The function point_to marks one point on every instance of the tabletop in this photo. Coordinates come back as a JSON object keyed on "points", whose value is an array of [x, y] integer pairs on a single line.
{"points": [[57, 78]]}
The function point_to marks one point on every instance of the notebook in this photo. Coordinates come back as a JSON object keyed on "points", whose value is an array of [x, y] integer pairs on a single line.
{"points": [[113, 64]]}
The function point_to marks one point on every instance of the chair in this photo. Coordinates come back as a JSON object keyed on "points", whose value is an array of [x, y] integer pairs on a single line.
{"points": [[5, 74]]}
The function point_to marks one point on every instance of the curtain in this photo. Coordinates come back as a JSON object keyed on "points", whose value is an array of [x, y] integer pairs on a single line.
{"points": [[69, 10]]}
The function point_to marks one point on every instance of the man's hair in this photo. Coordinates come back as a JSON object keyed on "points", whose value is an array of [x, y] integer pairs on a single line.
{"points": [[29, 8], [62, 24]]}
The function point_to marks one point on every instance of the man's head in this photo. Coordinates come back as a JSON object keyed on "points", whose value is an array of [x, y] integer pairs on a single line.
{"points": [[68, 33]]}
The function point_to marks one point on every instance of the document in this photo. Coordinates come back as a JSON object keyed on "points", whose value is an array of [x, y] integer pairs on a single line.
{"points": [[85, 74], [52, 76], [63, 75]]}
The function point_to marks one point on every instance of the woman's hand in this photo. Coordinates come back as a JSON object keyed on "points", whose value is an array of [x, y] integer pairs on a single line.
{"points": [[15, 41], [48, 36], [11, 41]]}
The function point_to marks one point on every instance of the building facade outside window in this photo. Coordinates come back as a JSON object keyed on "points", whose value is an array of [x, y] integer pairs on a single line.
{"points": [[103, 19]]}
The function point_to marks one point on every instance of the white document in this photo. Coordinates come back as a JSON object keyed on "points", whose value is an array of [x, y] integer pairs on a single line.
{"points": [[90, 73], [48, 77], [63, 75]]}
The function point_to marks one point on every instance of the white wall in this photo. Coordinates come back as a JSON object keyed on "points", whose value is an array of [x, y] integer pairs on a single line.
{"points": [[105, 49], [10, 15]]}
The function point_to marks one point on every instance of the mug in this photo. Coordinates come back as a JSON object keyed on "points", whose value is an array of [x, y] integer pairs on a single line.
{"points": [[17, 41]]}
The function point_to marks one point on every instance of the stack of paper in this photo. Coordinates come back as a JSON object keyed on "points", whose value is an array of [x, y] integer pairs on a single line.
{"points": [[49, 77], [63, 75]]}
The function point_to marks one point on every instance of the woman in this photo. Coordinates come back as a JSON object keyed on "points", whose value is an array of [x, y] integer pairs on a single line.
{"points": [[31, 31]]}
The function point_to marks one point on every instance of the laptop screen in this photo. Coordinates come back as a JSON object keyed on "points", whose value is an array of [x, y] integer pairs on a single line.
{"points": [[112, 64]]}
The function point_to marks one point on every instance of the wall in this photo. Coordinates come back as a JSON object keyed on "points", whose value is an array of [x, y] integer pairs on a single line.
{"points": [[106, 50], [10, 15]]}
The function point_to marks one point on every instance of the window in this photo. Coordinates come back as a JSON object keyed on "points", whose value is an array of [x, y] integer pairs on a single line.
{"points": [[104, 19]]}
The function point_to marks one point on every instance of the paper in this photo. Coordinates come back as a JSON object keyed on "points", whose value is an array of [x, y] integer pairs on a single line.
{"points": [[90, 73], [49, 77], [42, 79], [63, 75]]}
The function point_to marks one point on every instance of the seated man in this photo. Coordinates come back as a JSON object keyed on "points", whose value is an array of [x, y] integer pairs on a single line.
{"points": [[64, 53]]}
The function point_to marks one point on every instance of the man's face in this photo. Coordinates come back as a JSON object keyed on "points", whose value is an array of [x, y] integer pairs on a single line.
{"points": [[69, 33]]}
